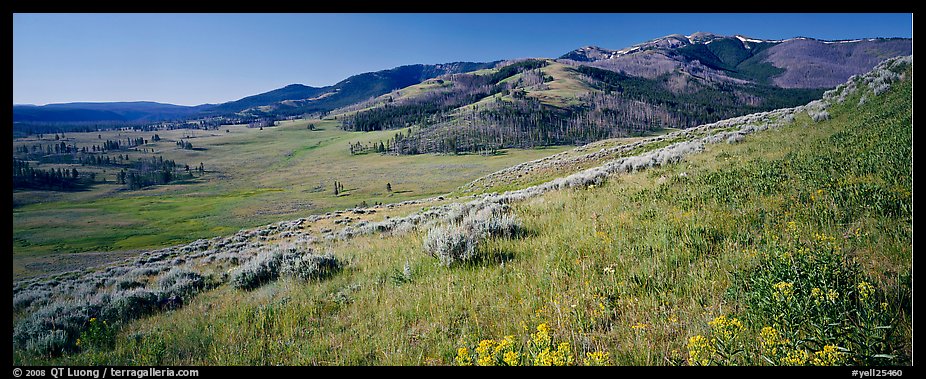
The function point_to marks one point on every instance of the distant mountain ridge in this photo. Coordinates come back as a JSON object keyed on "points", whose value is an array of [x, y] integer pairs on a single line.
{"points": [[298, 99], [104, 111], [290, 100], [799, 62]]}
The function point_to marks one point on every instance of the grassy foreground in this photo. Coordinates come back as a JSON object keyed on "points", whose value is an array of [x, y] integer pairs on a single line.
{"points": [[793, 247]]}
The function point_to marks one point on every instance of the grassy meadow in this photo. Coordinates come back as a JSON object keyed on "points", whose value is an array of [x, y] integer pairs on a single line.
{"points": [[792, 247], [253, 177]]}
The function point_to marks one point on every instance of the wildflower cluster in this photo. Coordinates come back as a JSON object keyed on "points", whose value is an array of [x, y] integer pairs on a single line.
{"points": [[700, 351], [98, 335], [597, 358], [864, 290], [726, 329], [771, 341], [723, 345], [829, 356], [545, 352], [814, 306], [542, 350], [489, 352], [784, 291]]}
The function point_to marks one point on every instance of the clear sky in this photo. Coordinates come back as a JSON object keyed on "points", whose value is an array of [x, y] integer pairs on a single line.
{"points": [[191, 59]]}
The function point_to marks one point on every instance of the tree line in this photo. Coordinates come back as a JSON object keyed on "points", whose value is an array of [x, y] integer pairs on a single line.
{"points": [[27, 177]]}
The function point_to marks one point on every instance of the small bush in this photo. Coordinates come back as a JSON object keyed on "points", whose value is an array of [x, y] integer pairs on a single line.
{"points": [[506, 225], [260, 270], [821, 115], [458, 240], [312, 266], [132, 304], [54, 342], [53, 328], [182, 283], [29, 297], [127, 284], [451, 244]]}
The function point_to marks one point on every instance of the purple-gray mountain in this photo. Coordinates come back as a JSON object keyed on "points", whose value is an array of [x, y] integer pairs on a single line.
{"points": [[792, 63]]}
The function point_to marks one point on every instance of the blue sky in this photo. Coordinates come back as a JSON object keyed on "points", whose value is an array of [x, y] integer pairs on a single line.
{"points": [[192, 59]]}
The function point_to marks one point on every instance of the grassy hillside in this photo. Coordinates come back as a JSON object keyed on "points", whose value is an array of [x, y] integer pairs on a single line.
{"points": [[791, 247]]}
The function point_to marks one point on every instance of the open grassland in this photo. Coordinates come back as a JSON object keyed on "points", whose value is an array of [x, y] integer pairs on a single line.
{"points": [[564, 89], [253, 177], [791, 247]]}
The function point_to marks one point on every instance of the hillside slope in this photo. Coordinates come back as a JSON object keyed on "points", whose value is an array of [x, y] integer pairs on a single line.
{"points": [[649, 259], [538, 102]]}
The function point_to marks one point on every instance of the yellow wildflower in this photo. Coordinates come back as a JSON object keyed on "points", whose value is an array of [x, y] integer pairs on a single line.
{"points": [[639, 326], [829, 356], [544, 358], [463, 358], [832, 295], [563, 355], [484, 353], [795, 358], [817, 294], [512, 358], [883, 306], [542, 337], [814, 196], [504, 344], [726, 328], [699, 351], [783, 291], [770, 340], [864, 290], [597, 358]]}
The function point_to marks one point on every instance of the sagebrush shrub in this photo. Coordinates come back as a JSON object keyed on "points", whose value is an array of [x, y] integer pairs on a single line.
{"points": [[261, 269], [29, 297], [182, 283], [129, 305], [312, 266], [53, 328], [459, 241], [289, 260], [451, 243]]}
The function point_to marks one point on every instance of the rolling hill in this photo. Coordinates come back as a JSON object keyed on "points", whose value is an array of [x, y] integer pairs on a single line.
{"points": [[538, 102]]}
